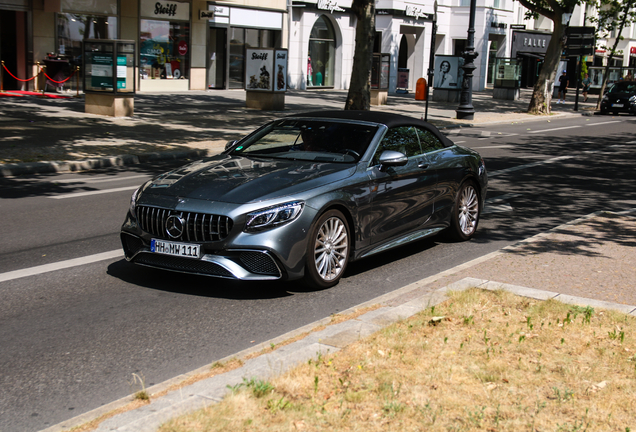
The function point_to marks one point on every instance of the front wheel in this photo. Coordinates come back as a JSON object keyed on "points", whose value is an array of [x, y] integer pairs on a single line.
{"points": [[466, 212], [327, 250]]}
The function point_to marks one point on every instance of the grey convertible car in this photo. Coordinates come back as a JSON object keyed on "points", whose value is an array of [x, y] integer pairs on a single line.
{"points": [[302, 196]]}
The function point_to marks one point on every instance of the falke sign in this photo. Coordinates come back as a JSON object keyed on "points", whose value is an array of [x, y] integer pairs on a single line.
{"points": [[165, 9]]}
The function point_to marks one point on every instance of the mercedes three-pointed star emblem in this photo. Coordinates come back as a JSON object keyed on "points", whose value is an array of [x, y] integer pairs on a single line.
{"points": [[174, 226]]}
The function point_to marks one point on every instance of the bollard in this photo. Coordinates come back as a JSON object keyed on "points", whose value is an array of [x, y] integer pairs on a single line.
{"points": [[420, 89]]}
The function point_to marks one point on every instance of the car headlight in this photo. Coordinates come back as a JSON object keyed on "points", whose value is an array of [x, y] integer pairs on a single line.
{"points": [[273, 216], [632, 99], [605, 98], [133, 200]]}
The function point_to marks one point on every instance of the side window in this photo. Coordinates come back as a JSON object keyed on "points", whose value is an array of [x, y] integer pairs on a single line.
{"points": [[402, 139], [429, 141]]}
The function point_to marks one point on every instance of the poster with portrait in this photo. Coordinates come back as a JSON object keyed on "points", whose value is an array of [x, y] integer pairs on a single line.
{"points": [[280, 71], [447, 72], [596, 75], [259, 69]]}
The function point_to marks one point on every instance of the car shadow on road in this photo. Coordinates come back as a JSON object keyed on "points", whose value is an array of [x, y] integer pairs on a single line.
{"points": [[201, 286]]}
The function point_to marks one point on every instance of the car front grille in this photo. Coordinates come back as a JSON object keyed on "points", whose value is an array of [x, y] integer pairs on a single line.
{"points": [[182, 265], [198, 227]]}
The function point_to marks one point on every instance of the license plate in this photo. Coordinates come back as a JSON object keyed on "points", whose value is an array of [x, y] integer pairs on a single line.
{"points": [[617, 105], [185, 250]]}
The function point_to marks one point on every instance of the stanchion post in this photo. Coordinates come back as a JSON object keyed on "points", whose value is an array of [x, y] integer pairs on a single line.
{"points": [[77, 81], [2, 77]]}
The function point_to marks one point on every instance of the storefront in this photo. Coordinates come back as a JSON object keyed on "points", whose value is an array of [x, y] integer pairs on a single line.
{"points": [[15, 42], [325, 36], [164, 46], [232, 30], [79, 20], [529, 48]]}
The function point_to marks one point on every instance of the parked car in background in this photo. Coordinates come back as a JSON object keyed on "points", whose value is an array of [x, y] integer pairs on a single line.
{"points": [[620, 98], [304, 195]]}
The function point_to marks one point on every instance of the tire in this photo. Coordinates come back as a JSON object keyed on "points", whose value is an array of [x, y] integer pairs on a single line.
{"points": [[466, 212], [328, 250]]}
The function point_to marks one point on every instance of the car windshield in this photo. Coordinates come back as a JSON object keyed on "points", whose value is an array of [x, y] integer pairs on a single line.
{"points": [[624, 87], [311, 140]]}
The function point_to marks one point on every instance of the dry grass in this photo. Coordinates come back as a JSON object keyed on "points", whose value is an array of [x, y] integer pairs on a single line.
{"points": [[494, 362]]}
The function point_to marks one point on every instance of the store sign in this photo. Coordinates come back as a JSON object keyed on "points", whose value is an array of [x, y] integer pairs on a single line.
{"points": [[329, 5], [165, 10], [206, 14], [182, 47], [415, 12], [529, 42]]}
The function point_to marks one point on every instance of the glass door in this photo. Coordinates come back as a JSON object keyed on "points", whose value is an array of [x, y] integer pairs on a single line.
{"points": [[216, 58]]}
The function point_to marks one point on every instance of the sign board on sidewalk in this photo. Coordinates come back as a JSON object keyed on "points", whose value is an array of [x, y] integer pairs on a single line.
{"points": [[580, 41]]}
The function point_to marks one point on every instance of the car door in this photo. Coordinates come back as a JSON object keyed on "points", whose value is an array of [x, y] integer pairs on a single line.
{"points": [[401, 197]]}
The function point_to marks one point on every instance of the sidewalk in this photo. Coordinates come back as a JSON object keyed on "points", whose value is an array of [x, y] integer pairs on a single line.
{"points": [[43, 135], [587, 262]]}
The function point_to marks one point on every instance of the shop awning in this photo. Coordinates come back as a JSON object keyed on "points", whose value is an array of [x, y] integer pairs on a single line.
{"points": [[531, 55]]}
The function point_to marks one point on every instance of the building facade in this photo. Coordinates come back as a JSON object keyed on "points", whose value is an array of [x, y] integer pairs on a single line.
{"points": [[196, 45]]}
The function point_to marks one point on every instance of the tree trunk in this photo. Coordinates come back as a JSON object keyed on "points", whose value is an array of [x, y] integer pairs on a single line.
{"points": [[359, 97], [611, 53], [542, 93]]}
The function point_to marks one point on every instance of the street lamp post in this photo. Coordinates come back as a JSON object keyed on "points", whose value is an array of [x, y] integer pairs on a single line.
{"points": [[465, 109], [431, 62]]}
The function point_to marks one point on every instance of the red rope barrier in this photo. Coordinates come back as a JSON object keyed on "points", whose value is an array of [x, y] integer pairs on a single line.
{"points": [[52, 80], [15, 77]]}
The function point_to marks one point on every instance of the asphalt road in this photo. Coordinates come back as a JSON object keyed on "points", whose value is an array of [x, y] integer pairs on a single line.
{"points": [[72, 337]]}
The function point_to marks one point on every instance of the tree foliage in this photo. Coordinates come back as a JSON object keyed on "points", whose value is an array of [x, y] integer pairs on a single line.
{"points": [[613, 17]]}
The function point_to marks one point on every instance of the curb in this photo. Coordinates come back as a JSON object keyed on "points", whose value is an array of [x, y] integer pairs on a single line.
{"points": [[332, 339], [10, 170]]}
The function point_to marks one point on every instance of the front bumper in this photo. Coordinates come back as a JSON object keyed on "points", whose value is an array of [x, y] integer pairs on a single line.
{"points": [[242, 264]]}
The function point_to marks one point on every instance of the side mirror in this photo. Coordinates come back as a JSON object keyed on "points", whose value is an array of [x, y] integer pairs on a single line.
{"points": [[391, 158], [230, 144]]}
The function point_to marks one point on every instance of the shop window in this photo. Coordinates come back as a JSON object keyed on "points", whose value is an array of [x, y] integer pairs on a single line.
{"points": [[321, 55], [164, 50], [240, 39], [72, 29]]}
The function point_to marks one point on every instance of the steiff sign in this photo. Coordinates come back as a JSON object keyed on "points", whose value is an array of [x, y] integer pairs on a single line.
{"points": [[265, 78], [172, 10]]}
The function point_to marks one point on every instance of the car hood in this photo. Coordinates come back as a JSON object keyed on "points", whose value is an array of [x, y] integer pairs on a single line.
{"points": [[238, 179]]}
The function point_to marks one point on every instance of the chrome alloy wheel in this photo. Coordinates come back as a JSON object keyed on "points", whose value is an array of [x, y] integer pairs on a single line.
{"points": [[468, 210], [331, 249]]}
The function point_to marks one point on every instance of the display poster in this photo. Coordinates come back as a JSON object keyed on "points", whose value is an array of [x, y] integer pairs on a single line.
{"points": [[447, 73], [280, 67], [596, 75], [121, 72], [101, 71], [259, 67]]}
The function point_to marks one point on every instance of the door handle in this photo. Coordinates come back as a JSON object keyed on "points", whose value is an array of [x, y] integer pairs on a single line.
{"points": [[422, 165]]}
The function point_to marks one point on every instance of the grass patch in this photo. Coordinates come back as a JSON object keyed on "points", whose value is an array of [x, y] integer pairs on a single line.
{"points": [[480, 361]]}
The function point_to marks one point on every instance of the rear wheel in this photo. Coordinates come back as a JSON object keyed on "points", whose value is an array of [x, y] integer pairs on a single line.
{"points": [[327, 250], [466, 212]]}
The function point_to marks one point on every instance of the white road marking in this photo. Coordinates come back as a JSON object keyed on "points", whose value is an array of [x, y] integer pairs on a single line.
{"points": [[32, 271], [602, 123], [493, 147], [503, 197], [459, 142], [97, 192], [498, 208], [100, 179], [553, 129], [530, 165]]}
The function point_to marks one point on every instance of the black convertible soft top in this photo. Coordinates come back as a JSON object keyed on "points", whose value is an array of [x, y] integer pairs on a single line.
{"points": [[389, 119]]}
